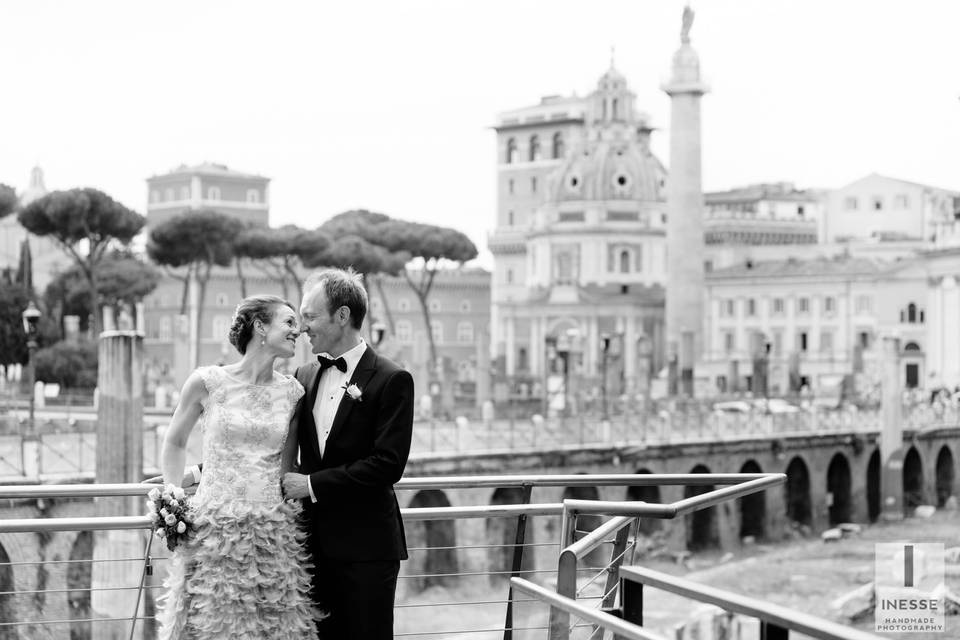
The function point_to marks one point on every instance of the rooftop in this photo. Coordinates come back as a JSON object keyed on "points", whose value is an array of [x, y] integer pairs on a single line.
{"points": [[841, 265]]}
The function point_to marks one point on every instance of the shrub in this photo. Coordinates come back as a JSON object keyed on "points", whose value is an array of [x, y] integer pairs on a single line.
{"points": [[72, 365]]}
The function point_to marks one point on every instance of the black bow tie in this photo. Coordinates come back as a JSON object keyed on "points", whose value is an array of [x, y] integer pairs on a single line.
{"points": [[326, 363]]}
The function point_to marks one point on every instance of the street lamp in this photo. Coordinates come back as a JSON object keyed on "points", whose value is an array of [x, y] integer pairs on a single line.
{"points": [[605, 345], [31, 318]]}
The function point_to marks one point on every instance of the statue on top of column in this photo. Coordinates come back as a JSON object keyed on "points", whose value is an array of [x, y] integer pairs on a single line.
{"points": [[687, 23]]}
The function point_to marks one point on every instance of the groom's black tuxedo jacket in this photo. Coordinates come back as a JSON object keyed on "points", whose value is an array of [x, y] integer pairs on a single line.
{"points": [[356, 517]]}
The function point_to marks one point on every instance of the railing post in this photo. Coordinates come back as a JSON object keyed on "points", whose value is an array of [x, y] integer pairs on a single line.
{"points": [[566, 576], [771, 631], [147, 571], [631, 598], [613, 569], [517, 565]]}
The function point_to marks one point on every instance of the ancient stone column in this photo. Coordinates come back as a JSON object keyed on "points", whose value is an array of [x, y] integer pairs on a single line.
{"points": [[119, 460], [891, 434]]}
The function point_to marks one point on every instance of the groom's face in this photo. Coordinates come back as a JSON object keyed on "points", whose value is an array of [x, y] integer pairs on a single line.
{"points": [[318, 323]]}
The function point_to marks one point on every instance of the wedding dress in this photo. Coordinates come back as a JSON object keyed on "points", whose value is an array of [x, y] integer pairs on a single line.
{"points": [[244, 571]]}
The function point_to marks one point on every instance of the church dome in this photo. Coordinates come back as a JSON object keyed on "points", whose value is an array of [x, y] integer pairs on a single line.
{"points": [[610, 168]]}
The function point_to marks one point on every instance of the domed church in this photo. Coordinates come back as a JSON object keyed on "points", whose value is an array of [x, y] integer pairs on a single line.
{"points": [[580, 246]]}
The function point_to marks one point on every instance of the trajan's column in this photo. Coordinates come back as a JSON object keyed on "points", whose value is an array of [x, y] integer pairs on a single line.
{"points": [[685, 245]]}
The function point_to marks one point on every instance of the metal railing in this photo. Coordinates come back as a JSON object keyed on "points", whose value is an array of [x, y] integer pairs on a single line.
{"points": [[464, 577]]}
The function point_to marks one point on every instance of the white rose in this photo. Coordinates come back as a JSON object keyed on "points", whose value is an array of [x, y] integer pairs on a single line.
{"points": [[179, 493], [151, 505], [154, 517], [161, 533], [164, 513], [181, 526], [154, 493], [170, 520], [174, 504]]}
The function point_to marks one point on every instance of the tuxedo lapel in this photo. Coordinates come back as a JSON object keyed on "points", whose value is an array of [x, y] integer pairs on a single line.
{"points": [[361, 375], [312, 379]]}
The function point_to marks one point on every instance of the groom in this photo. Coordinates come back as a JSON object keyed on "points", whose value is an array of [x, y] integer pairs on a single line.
{"points": [[354, 429]]}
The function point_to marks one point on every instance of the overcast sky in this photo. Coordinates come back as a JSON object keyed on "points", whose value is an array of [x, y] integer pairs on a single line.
{"points": [[388, 105]]}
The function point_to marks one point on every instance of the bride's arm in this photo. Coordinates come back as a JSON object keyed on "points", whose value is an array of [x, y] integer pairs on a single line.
{"points": [[288, 459], [185, 416]]}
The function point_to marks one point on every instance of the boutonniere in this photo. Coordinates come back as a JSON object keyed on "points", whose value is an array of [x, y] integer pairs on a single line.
{"points": [[354, 392]]}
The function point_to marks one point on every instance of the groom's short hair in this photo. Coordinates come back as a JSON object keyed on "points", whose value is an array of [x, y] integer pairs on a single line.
{"points": [[343, 288]]}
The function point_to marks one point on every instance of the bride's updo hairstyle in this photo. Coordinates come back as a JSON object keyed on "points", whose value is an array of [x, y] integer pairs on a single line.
{"points": [[248, 312]]}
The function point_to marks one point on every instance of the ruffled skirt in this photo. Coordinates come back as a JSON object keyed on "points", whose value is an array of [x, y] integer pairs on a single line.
{"points": [[244, 574]]}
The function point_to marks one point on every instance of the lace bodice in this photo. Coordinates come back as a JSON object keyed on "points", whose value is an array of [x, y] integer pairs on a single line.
{"points": [[244, 429]]}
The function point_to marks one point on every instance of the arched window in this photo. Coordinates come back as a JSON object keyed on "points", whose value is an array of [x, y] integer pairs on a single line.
{"points": [[534, 148], [511, 151], [558, 149], [911, 313], [615, 109], [465, 332], [436, 328], [624, 261], [404, 331]]}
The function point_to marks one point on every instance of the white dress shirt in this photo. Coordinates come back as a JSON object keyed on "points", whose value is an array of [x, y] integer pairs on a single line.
{"points": [[330, 391]]}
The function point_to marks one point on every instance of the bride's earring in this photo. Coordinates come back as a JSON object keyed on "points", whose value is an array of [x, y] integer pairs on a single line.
{"points": [[263, 340]]}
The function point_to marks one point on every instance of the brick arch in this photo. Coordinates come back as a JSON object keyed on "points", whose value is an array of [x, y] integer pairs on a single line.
{"points": [[702, 529], [913, 494], [501, 534], [649, 494], [797, 492], [752, 508], [945, 475], [431, 543], [873, 486], [839, 489]]}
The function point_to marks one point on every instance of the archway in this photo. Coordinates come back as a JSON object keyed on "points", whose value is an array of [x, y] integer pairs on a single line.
{"points": [[873, 486], [587, 523], [432, 544], [8, 607], [651, 495], [79, 583], [838, 489], [702, 530], [753, 508], [945, 475], [798, 493], [502, 535], [912, 481]]}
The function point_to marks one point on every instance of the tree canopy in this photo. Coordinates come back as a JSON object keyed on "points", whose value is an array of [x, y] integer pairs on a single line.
{"points": [[279, 253], [85, 223], [196, 240], [8, 200]]}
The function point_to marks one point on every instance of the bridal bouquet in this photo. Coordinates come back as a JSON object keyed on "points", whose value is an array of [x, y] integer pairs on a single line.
{"points": [[168, 510]]}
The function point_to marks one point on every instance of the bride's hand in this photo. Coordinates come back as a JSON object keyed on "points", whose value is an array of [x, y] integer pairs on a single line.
{"points": [[294, 486]]}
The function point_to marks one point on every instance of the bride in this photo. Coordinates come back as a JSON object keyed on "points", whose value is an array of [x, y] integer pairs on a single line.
{"points": [[244, 572]]}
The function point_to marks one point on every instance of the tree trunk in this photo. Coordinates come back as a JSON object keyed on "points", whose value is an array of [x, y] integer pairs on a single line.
{"points": [[378, 283], [96, 321], [296, 282], [422, 291], [243, 278], [201, 295]]}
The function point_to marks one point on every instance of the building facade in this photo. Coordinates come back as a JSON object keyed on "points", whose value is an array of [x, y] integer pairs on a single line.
{"points": [[213, 186]]}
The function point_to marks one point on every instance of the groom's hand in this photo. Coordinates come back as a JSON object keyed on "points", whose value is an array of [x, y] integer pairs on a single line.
{"points": [[295, 486]]}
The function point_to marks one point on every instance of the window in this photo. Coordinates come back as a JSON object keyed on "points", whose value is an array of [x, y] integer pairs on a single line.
{"points": [[558, 148], [850, 203], [829, 305], [826, 340], [564, 268], [777, 342], [509, 276], [802, 341], [533, 184], [511, 151], [154, 195], [727, 308], [465, 332], [624, 261], [403, 304], [751, 307], [800, 210], [168, 194], [863, 304], [803, 305], [778, 306], [404, 331], [213, 193], [638, 259], [184, 193], [510, 218], [729, 341], [534, 148], [435, 305], [913, 314], [863, 337], [877, 203], [436, 328], [223, 300], [220, 326], [253, 196], [901, 201], [510, 186], [464, 306], [166, 328]]}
